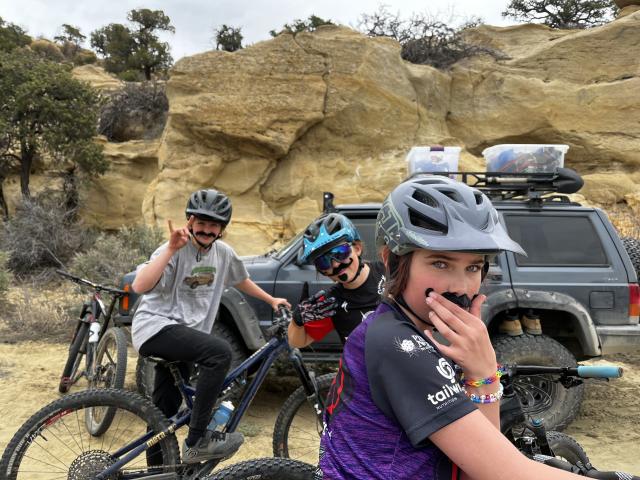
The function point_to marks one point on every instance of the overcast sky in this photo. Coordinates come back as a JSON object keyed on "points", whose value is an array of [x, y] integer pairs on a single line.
{"points": [[195, 20]]}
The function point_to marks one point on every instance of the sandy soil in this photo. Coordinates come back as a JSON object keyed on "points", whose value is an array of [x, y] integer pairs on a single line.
{"points": [[608, 427]]}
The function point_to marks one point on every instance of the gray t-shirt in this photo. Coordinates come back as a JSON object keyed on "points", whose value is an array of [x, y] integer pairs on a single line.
{"points": [[188, 292]]}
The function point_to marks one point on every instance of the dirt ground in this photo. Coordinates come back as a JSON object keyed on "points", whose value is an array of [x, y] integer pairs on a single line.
{"points": [[608, 427]]}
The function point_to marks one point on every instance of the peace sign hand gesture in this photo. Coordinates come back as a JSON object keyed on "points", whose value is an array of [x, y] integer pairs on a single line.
{"points": [[179, 237]]}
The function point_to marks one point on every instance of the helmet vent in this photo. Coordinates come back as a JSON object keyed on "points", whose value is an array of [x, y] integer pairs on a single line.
{"points": [[425, 198], [419, 220], [479, 198], [452, 195]]}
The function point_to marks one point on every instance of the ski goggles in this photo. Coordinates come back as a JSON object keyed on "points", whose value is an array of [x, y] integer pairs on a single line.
{"points": [[339, 253]]}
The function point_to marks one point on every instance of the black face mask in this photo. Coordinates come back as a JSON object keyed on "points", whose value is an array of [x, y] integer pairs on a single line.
{"points": [[463, 301]]}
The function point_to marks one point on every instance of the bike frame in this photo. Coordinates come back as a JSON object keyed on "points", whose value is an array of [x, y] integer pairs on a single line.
{"points": [[97, 311], [262, 359]]}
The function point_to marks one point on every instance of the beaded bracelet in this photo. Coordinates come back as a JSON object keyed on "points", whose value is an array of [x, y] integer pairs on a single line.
{"points": [[485, 381], [491, 398]]}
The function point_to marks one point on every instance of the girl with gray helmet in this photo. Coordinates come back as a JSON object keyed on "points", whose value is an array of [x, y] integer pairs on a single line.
{"points": [[182, 285], [332, 243], [404, 404]]}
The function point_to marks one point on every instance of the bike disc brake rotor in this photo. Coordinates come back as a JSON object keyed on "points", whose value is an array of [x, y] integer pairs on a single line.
{"points": [[535, 393], [89, 464]]}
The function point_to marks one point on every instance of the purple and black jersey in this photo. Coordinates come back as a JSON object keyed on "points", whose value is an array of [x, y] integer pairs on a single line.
{"points": [[393, 390]]}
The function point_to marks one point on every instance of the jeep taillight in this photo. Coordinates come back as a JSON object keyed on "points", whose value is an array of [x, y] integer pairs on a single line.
{"points": [[634, 301]]}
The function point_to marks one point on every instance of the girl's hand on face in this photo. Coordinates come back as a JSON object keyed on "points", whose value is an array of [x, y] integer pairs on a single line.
{"points": [[179, 237], [469, 343]]}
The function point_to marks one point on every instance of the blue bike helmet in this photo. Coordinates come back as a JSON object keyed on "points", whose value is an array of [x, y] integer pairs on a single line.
{"points": [[326, 232]]}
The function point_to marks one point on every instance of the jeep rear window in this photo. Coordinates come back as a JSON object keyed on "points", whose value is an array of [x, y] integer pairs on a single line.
{"points": [[570, 241]]}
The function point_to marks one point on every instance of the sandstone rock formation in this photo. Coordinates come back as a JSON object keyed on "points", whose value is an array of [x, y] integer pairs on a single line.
{"points": [[276, 124]]}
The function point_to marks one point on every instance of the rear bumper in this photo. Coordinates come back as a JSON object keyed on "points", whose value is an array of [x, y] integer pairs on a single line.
{"points": [[619, 339]]}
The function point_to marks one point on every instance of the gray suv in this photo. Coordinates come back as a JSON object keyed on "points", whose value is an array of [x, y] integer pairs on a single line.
{"points": [[577, 278]]}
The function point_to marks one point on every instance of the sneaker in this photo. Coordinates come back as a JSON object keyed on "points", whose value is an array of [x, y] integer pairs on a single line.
{"points": [[531, 324], [513, 328], [213, 446]]}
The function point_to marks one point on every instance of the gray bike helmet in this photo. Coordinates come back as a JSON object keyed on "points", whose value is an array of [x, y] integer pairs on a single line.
{"points": [[439, 213], [209, 205]]}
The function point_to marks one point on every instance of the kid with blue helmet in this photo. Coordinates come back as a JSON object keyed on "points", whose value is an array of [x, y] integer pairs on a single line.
{"points": [[333, 245]]}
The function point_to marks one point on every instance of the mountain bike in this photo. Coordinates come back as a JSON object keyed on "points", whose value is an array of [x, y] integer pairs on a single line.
{"points": [[104, 349], [52, 443]]}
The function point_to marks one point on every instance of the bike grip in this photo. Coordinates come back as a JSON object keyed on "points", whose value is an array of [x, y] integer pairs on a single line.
{"points": [[599, 371]]}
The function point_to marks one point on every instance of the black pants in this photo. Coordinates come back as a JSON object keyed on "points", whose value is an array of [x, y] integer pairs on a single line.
{"points": [[184, 344]]}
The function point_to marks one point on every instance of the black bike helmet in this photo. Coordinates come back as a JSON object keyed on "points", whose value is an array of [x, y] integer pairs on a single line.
{"points": [[442, 214], [209, 205]]}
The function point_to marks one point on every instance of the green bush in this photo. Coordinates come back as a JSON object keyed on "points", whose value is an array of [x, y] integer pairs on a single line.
{"points": [[113, 255], [85, 57], [131, 76]]}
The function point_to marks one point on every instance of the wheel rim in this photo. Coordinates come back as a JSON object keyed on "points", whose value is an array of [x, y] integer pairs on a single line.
{"points": [[61, 447], [303, 435]]}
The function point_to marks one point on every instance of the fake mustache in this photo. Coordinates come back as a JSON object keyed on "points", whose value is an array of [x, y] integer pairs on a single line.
{"points": [[205, 234], [463, 301]]}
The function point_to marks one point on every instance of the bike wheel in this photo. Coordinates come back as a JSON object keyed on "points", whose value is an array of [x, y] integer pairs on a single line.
{"points": [[298, 428], [74, 358], [54, 442], [566, 448], [267, 469], [108, 372]]}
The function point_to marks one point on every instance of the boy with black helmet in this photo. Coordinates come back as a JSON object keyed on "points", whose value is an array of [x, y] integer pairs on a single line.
{"points": [[333, 245], [183, 283], [432, 408]]}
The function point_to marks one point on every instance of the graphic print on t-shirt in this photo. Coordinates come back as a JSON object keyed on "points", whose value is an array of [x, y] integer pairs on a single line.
{"points": [[204, 275], [450, 389]]}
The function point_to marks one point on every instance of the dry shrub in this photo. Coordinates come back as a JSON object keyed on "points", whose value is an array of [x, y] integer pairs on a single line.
{"points": [[47, 49], [138, 111], [33, 313], [113, 255], [5, 274], [42, 234]]}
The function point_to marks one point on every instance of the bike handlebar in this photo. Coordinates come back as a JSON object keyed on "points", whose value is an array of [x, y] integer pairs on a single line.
{"points": [[582, 371], [95, 286]]}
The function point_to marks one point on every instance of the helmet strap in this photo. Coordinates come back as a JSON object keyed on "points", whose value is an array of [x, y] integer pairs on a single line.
{"points": [[402, 303]]}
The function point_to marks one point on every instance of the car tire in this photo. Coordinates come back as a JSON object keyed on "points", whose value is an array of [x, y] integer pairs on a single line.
{"points": [[632, 246], [541, 398]]}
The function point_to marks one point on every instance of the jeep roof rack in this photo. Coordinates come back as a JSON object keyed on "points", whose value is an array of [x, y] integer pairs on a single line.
{"points": [[531, 187]]}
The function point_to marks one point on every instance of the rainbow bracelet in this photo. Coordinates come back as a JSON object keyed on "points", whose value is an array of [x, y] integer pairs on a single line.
{"points": [[485, 381], [491, 398]]}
